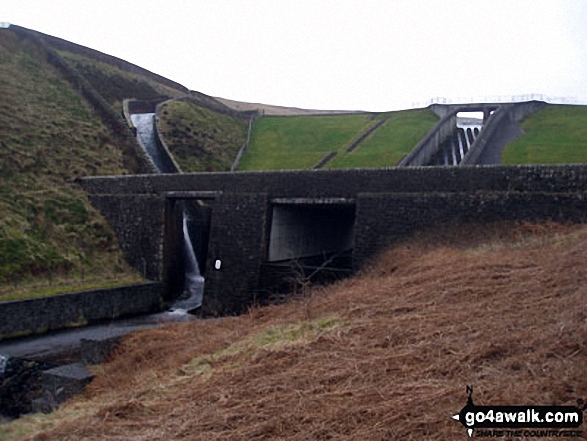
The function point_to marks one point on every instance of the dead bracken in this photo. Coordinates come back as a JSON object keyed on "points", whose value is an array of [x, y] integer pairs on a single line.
{"points": [[385, 355]]}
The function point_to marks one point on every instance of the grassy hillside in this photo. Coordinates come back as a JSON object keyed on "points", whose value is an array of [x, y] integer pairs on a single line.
{"points": [[556, 134], [383, 356], [50, 136], [113, 84], [299, 141], [302, 141], [390, 143], [199, 138]]}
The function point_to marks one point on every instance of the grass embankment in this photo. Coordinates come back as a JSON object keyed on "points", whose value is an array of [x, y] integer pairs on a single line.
{"points": [[199, 138], [49, 137], [302, 141], [556, 134], [299, 142], [387, 146], [114, 84], [383, 356]]}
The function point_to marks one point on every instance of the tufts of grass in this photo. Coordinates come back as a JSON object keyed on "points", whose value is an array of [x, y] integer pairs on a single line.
{"points": [[556, 134], [65, 286], [270, 338], [199, 138], [113, 84], [50, 137], [29, 424], [397, 340]]}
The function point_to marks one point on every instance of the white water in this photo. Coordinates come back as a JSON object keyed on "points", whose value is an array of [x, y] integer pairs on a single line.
{"points": [[144, 123], [194, 282], [3, 363]]}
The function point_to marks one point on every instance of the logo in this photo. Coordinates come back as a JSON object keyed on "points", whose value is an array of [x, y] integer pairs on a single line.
{"points": [[538, 421]]}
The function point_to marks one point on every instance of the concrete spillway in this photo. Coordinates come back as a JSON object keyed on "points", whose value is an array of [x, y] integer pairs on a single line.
{"points": [[194, 283], [145, 125], [454, 149]]}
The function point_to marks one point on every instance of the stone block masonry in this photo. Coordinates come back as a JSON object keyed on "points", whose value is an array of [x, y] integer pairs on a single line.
{"points": [[389, 204], [137, 221], [238, 242], [40, 315]]}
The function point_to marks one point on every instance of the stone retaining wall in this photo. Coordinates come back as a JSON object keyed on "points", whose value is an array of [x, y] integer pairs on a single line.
{"points": [[389, 204], [35, 316]]}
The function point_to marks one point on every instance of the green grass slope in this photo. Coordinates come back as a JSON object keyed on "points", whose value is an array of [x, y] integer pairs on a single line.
{"points": [[49, 136], [556, 134], [390, 143], [299, 142], [201, 139], [302, 141]]}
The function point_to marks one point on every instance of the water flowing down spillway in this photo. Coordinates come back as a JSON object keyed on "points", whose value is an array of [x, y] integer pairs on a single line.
{"points": [[3, 363], [144, 123], [192, 296], [194, 282]]}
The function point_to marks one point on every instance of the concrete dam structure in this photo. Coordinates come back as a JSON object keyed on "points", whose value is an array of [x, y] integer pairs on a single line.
{"points": [[256, 228], [455, 143]]}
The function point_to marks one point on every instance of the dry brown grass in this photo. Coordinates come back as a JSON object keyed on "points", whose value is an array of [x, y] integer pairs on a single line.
{"points": [[385, 355]]}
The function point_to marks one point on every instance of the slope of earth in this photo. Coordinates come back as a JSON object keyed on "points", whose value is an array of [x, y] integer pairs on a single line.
{"points": [[556, 134], [201, 139], [382, 356], [114, 84], [389, 144], [113, 78], [49, 233], [271, 110], [297, 142]]}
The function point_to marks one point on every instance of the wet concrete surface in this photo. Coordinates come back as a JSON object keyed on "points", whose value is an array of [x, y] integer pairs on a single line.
{"points": [[64, 346]]}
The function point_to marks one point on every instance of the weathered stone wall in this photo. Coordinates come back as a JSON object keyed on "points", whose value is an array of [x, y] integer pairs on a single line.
{"points": [[389, 204], [138, 223], [348, 183], [142, 106], [238, 240], [61, 311], [382, 218]]}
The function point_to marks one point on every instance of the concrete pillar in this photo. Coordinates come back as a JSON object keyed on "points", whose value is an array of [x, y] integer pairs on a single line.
{"points": [[454, 155], [486, 114], [461, 147]]}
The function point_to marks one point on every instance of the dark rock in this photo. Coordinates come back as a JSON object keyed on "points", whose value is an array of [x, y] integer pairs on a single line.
{"points": [[20, 385], [97, 351], [63, 382]]}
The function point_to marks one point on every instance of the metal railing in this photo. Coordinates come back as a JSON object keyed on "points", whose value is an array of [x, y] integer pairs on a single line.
{"points": [[502, 99]]}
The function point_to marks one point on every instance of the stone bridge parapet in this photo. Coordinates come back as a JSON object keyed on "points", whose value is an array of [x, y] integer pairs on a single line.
{"points": [[380, 206]]}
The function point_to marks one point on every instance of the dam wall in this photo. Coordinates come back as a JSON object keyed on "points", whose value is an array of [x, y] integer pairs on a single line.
{"points": [[382, 206]]}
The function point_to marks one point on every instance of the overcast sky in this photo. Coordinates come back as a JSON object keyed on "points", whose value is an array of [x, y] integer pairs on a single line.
{"points": [[334, 54]]}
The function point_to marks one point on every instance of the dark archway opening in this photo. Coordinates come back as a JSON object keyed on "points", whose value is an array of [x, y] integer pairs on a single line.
{"points": [[310, 242]]}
